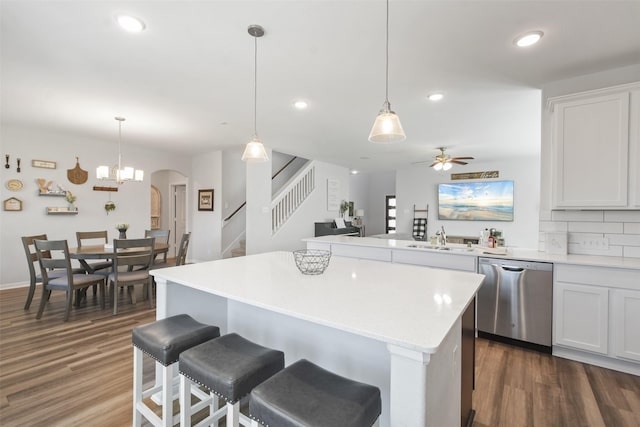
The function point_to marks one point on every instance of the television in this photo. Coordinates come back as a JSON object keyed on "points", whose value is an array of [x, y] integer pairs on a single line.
{"points": [[476, 201]]}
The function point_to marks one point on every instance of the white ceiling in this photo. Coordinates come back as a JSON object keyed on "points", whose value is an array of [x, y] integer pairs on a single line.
{"points": [[186, 82]]}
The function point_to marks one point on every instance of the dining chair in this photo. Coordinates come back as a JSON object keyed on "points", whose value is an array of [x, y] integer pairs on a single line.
{"points": [[131, 262], [54, 255], [181, 258], [32, 260], [93, 238], [162, 236]]}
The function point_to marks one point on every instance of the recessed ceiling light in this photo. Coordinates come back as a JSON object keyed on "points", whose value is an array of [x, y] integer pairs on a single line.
{"points": [[131, 24], [354, 172], [436, 96], [528, 39], [300, 105]]}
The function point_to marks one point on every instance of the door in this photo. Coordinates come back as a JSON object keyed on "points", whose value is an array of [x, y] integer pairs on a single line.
{"points": [[179, 226], [581, 316]]}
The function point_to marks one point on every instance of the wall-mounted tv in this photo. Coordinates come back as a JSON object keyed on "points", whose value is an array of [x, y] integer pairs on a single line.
{"points": [[476, 201]]}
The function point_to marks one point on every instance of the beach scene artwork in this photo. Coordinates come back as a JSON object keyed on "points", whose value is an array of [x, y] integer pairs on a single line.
{"points": [[476, 201]]}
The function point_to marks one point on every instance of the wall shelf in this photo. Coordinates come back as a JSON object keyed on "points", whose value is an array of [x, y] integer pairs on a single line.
{"points": [[61, 194], [61, 211]]}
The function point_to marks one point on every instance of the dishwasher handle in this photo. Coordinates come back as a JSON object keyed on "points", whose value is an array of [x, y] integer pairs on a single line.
{"points": [[511, 268]]}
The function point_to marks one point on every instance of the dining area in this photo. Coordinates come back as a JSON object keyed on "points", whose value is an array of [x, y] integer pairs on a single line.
{"points": [[94, 270]]}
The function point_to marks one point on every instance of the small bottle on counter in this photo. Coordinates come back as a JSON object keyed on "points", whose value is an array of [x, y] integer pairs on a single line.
{"points": [[491, 242]]}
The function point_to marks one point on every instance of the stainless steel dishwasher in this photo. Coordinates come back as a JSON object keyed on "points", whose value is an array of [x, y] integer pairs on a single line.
{"points": [[515, 302]]}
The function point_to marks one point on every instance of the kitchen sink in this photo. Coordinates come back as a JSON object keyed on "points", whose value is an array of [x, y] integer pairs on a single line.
{"points": [[441, 248]]}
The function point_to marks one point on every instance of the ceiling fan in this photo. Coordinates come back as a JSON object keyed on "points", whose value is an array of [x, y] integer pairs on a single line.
{"points": [[444, 162]]}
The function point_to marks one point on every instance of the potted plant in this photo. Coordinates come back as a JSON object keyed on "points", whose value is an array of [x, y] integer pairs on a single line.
{"points": [[109, 206], [122, 228], [344, 206], [71, 199]]}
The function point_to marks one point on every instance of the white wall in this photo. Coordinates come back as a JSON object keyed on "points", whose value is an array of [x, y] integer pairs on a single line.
{"points": [[621, 228], [258, 209], [368, 191], [419, 184], [206, 232], [314, 209], [131, 199]]}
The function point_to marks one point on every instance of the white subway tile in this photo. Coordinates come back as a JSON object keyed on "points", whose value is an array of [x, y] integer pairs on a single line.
{"points": [[632, 228], [577, 215], [622, 216], [579, 250], [580, 237], [595, 227], [624, 239], [553, 226], [631, 252]]}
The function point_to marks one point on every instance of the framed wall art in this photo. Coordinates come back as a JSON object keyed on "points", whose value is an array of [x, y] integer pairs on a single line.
{"points": [[205, 200]]}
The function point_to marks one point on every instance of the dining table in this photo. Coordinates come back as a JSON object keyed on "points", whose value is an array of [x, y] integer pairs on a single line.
{"points": [[84, 253]]}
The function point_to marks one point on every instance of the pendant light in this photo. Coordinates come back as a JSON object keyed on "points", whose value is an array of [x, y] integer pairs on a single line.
{"points": [[254, 152], [121, 174], [387, 128]]}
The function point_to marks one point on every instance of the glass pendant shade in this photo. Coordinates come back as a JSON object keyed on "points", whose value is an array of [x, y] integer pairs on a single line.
{"points": [[254, 151], [387, 128]]}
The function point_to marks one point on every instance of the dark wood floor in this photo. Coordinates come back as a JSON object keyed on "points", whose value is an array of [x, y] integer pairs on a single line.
{"points": [[79, 374]]}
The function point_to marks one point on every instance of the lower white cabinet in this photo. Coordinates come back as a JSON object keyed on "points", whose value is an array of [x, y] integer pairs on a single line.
{"points": [[625, 323], [598, 310], [581, 316]]}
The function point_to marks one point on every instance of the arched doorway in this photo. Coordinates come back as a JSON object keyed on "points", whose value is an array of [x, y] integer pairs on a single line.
{"points": [[168, 199]]}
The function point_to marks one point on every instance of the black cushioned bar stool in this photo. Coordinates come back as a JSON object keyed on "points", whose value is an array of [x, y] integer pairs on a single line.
{"points": [[229, 367], [163, 340], [304, 394]]}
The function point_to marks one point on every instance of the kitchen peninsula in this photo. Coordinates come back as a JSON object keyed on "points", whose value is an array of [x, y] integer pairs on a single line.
{"points": [[397, 327]]}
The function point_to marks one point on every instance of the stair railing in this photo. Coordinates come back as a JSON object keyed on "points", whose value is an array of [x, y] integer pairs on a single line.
{"points": [[291, 197]]}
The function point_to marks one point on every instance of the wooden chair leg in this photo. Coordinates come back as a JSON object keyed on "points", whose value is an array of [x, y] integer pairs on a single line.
{"points": [[69, 303], [43, 301], [115, 300], [149, 293], [32, 291], [102, 294]]}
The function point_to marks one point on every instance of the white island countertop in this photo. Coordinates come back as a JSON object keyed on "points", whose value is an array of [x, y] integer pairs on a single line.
{"points": [[408, 306], [463, 250]]}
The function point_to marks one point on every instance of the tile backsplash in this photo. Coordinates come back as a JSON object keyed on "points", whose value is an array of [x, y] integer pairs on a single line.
{"points": [[608, 233]]}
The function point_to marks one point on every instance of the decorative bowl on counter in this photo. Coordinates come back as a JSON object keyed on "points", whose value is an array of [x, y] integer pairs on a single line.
{"points": [[311, 261]]}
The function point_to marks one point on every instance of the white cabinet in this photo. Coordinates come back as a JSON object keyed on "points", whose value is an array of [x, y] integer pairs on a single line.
{"points": [[581, 316], [597, 312], [625, 323], [595, 149]]}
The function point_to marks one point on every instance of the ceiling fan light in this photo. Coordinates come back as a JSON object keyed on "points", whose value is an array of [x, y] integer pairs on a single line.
{"points": [[446, 166], [437, 166], [254, 152], [387, 128]]}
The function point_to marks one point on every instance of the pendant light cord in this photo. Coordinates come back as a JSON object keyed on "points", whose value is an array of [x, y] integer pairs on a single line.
{"points": [[255, 86], [386, 93]]}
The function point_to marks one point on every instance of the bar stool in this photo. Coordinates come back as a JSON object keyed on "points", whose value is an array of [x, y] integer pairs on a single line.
{"points": [[304, 394], [229, 367], [163, 341]]}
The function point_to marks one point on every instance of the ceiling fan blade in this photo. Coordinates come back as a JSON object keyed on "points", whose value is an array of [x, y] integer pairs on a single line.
{"points": [[458, 162], [420, 162], [462, 158]]}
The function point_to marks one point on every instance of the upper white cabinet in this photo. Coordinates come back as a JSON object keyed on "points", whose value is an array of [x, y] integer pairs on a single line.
{"points": [[596, 156]]}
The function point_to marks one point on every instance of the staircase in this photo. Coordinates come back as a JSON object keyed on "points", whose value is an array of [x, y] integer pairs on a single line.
{"points": [[240, 251]]}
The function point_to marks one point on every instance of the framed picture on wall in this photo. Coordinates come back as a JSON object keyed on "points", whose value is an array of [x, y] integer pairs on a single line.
{"points": [[205, 200]]}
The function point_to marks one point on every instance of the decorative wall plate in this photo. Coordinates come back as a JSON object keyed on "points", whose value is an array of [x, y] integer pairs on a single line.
{"points": [[14, 185]]}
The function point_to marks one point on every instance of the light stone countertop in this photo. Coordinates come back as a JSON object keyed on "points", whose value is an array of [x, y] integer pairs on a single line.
{"points": [[462, 250], [409, 306]]}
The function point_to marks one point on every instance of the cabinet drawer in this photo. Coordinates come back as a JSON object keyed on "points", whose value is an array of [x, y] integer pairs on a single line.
{"points": [[436, 259]]}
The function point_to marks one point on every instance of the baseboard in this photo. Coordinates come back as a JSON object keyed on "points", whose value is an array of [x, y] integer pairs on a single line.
{"points": [[14, 285], [597, 360]]}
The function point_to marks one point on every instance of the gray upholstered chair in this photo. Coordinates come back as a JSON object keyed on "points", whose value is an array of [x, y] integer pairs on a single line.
{"points": [[162, 236], [131, 261], [54, 255], [93, 238], [32, 260]]}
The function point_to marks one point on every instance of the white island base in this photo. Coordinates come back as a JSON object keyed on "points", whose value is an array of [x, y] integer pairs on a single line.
{"points": [[393, 326]]}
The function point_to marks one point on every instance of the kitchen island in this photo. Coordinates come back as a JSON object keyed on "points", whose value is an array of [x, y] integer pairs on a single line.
{"points": [[397, 327]]}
